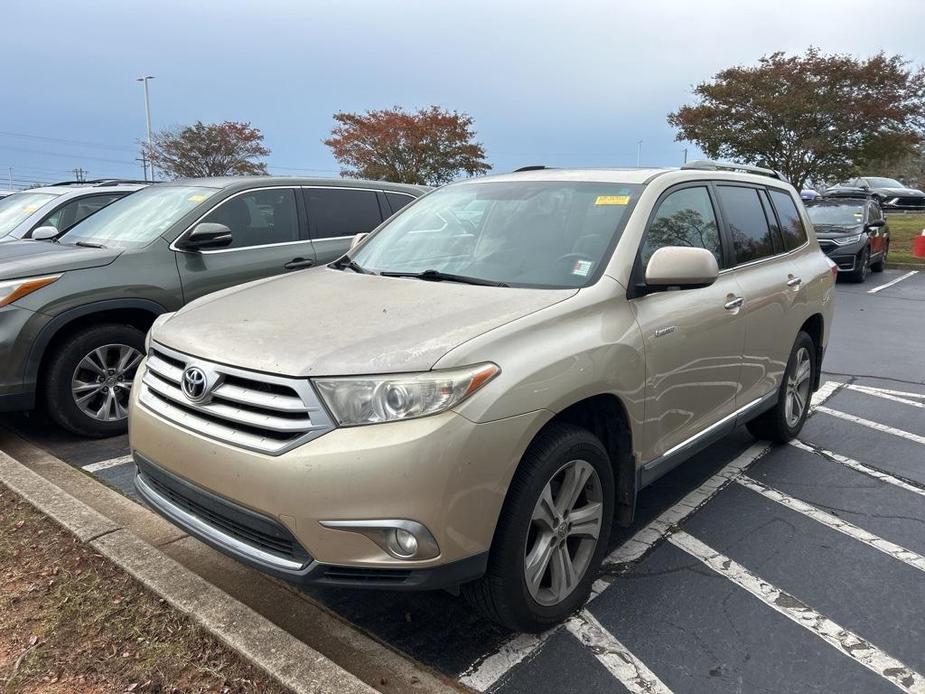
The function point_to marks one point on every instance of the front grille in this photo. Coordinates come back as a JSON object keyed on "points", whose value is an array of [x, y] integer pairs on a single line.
{"points": [[269, 414], [349, 574], [242, 524]]}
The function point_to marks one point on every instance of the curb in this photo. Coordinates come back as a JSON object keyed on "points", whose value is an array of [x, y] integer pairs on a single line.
{"points": [[253, 637]]}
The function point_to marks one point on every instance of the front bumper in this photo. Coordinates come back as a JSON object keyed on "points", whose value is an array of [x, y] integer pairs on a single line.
{"points": [[19, 329], [443, 471], [844, 257]]}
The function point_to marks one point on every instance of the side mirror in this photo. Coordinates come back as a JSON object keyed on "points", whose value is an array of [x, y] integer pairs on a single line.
{"points": [[356, 240], [681, 266], [208, 235], [876, 224], [45, 233]]}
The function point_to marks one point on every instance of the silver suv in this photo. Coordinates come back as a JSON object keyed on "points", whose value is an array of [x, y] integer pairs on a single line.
{"points": [[479, 390]]}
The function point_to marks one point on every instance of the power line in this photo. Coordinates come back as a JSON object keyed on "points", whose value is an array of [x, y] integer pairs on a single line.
{"points": [[61, 140], [65, 156]]}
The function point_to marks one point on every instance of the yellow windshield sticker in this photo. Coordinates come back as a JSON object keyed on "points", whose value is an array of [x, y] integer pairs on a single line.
{"points": [[30, 208], [198, 197], [612, 200]]}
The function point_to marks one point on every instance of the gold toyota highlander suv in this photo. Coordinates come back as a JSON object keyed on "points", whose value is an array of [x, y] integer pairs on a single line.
{"points": [[480, 388]]}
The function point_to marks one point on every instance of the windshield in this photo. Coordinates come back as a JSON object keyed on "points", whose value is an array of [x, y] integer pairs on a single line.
{"points": [[849, 214], [884, 183], [15, 208], [137, 219], [520, 233]]}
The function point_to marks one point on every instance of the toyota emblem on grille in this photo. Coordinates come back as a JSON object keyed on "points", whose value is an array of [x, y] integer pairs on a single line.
{"points": [[195, 385]]}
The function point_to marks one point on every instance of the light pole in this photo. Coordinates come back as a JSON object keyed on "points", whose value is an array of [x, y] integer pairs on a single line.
{"points": [[638, 153], [147, 122]]}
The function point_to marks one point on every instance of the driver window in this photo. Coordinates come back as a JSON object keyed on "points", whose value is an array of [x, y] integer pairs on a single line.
{"points": [[684, 218], [259, 217]]}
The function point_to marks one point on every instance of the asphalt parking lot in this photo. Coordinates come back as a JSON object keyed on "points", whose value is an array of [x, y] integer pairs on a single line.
{"points": [[749, 568]]}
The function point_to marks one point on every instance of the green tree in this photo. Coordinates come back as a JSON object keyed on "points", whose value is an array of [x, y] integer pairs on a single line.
{"points": [[431, 146], [815, 116], [208, 149]]}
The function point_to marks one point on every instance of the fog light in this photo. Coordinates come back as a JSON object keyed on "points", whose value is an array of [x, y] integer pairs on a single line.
{"points": [[404, 543]]}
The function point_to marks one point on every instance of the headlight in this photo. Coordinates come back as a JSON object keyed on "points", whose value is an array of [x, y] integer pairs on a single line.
{"points": [[13, 290], [847, 240], [372, 399]]}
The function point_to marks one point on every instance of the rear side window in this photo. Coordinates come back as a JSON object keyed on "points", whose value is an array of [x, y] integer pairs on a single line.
{"points": [[684, 218], [341, 211], [398, 200], [791, 225], [751, 235]]}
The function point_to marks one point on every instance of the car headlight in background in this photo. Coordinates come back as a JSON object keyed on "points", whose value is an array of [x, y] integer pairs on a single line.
{"points": [[847, 240], [357, 400], [13, 290]]}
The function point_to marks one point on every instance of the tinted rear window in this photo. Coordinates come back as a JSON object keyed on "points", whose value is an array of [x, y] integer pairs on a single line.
{"points": [[791, 226], [341, 211], [751, 236], [398, 200]]}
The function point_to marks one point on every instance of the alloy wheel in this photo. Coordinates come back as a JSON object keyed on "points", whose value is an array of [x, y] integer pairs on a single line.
{"points": [[564, 532], [102, 382], [798, 387]]}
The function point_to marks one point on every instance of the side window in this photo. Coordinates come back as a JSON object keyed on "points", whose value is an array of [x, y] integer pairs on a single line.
{"points": [[398, 200], [259, 217], [875, 214], [751, 235], [75, 211], [684, 218], [341, 211], [791, 225]]}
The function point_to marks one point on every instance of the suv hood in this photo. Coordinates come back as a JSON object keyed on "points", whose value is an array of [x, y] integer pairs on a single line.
{"points": [[31, 258], [327, 322]]}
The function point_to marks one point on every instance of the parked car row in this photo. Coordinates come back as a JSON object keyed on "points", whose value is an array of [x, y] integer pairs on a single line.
{"points": [[853, 232]]}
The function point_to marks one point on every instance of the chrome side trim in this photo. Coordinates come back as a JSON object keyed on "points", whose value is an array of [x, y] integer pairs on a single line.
{"points": [[232, 544]]}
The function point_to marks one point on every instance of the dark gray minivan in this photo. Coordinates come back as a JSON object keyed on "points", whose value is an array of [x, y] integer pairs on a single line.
{"points": [[74, 313]]}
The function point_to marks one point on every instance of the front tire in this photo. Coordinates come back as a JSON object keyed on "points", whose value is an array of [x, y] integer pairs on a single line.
{"points": [[861, 267], [880, 265], [784, 421], [89, 379], [551, 535]]}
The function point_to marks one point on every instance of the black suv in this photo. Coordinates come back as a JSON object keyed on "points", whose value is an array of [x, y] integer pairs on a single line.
{"points": [[853, 232]]}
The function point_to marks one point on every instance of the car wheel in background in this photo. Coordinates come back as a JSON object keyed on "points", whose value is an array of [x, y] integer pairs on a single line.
{"points": [[89, 379], [552, 533], [861, 266], [783, 421], [880, 265]]}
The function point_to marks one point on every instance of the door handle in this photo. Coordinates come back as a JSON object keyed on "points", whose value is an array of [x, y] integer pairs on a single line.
{"points": [[794, 281], [299, 263], [734, 303]]}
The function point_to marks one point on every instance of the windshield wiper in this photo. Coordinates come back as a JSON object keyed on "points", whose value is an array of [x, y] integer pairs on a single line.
{"points": [[88, 244], [437, 276], [348, 263]]}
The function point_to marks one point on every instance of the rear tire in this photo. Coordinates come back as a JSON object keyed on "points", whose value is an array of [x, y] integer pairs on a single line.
{"points": [[89, 377], [880, 265], [782, 423], [519, 590], [861, 267]]}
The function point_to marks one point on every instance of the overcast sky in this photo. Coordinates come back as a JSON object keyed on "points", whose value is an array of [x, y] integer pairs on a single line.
{"points": [[565, 83]]}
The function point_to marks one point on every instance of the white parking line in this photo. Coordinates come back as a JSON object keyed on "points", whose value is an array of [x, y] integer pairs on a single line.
{"points": [[484, 673], [878, 393], [106, 464], [891, 549], [849, 643], [873, 425], [900, 393], [860, 467], [626, 668], [890, 284]]}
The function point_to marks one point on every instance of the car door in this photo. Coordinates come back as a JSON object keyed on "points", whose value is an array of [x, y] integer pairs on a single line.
{"points": [[268, 238], [336, 215], [770, 285], [693, 337]]}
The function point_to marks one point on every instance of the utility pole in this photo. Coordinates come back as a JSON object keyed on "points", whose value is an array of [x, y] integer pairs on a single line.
{"points": [[79, 174], [638, 153], [685, 155], [11, 177], [144, 163], [144, 80]]}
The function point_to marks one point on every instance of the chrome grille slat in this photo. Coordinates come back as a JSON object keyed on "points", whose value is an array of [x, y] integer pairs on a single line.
{"points": [[263, 418]]}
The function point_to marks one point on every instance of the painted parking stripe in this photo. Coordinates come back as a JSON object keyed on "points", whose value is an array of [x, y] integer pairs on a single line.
{"points": [[884, 395], [849, 643], [907, 556], [859, 467], [626, 668], [890, 284], [106, 464], [485, 672], [873, 425], [899, 393]]}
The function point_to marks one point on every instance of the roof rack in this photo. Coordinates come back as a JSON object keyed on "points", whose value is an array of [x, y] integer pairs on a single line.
{"points": [[710, 165], [534, 167], [99, 182]]}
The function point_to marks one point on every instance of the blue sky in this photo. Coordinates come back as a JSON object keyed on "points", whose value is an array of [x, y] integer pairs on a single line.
{"points": [[574, 83]]}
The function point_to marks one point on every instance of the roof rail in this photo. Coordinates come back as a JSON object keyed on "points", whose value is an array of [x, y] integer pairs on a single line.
{"points": [[99, 182], [710, 165], [535, 167]]}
